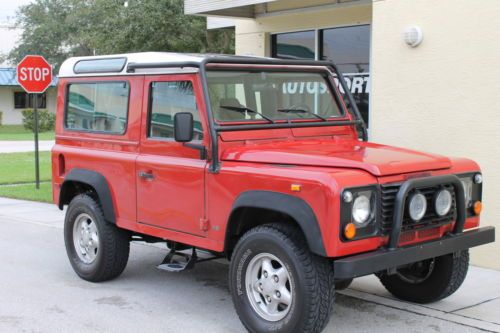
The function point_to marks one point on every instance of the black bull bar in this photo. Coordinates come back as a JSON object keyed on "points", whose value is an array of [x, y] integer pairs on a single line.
{"points": [[393, 256]]}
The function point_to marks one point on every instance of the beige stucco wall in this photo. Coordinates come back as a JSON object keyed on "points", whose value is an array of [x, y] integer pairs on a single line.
{"points": [[13, 116], [442, 96]]}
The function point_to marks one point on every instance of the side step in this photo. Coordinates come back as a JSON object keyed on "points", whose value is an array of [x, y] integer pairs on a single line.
{"points": [[178, 261]]}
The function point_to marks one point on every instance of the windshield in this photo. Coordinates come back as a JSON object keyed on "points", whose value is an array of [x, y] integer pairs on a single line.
{"points": [[270, 96]]}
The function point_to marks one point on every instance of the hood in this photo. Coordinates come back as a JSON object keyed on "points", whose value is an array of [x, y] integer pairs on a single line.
{"points": [[379, 160]]}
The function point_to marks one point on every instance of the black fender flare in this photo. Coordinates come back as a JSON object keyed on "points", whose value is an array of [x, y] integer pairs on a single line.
{"points": [[93, 179], [290, 205]]}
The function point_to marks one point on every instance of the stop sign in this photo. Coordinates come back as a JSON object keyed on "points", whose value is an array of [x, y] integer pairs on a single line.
{"points": [[34, 74]]}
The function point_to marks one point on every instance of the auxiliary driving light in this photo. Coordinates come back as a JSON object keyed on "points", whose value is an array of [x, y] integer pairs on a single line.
{"points": [[443, 202], [417, 207]]}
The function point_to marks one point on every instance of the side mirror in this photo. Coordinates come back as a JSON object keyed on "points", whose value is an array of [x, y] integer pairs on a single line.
{"points": [[183, 127]]}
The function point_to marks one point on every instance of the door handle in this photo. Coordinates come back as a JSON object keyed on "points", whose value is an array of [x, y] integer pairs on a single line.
{"points": [[146, 175]]}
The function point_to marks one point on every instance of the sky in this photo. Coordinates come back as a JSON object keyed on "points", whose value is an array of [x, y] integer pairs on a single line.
{"points": [[9, 36], [8, 8]]}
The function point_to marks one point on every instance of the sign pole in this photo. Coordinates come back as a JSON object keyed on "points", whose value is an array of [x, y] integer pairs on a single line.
{"points": [[37, 160], [34, 74]]}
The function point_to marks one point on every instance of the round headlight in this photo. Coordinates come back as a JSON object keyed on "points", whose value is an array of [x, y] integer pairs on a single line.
{"points": [[417, 207], [361, 209], [442, 204]]}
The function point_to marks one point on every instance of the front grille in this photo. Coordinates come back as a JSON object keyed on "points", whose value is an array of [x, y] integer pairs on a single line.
{"points": [[430, 219]]}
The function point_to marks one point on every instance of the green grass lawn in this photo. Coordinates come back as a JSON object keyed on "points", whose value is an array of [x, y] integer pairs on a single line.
{"points": [[17, 133], [27, 192], [18, 168]]}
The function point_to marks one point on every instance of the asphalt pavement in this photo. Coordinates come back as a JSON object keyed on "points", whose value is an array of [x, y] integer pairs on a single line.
{"points": [[40, 292]]}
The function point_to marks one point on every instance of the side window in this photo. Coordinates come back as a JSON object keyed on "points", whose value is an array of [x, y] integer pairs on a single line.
{"points": [[167, 99], [97, 107]]}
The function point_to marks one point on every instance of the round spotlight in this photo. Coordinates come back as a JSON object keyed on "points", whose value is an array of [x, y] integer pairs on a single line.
{"points": [[418, 206], [443, 202]]}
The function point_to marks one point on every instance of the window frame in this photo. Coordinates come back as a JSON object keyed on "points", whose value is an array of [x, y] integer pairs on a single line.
{"points": [[66, 105], [150, 111]]}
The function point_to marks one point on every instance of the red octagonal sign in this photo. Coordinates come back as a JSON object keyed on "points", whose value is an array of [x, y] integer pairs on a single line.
{"points": [[34, 74]]}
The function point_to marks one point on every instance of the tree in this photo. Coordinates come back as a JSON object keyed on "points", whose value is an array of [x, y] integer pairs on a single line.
{"points": [[58, 29]]}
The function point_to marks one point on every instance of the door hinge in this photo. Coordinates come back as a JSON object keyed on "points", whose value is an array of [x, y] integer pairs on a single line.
{"points": [[204, 224]]}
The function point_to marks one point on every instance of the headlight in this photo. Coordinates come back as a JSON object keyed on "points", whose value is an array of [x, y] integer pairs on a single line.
{"points": [[357, 213], [417, 207], [443, 202], [361, 209], [467, 183]]}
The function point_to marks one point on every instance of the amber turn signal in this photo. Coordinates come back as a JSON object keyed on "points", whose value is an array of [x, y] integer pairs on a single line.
{"points": [[478, 207], [350, 231]]}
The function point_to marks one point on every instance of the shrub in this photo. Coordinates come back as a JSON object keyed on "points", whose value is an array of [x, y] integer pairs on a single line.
{"points": [[46, 120], [1, 115]]}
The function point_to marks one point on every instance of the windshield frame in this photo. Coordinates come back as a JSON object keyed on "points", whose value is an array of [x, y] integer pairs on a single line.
{"points": [[324, 73]]}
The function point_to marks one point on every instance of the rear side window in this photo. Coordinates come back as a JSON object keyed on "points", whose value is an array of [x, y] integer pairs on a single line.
{"points": [[167, 99], [97, 107]]}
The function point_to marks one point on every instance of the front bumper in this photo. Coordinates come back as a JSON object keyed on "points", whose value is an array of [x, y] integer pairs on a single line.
{"points": [[372, 262]]}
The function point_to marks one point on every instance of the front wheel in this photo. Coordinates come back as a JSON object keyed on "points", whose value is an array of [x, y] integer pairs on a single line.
{"points": [[277, 284], [97, 250], [429, 280]]}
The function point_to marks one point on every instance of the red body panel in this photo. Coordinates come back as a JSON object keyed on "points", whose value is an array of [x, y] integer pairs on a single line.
{"points": [[323, 160]]}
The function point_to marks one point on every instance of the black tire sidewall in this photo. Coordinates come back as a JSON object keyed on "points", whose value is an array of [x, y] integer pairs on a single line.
{"points": [[429, 290], [249, 248], [83, 205]]}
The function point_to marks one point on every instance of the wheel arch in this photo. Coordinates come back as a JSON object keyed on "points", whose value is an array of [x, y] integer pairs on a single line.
{"points": [[269, 206], [81, 181]]}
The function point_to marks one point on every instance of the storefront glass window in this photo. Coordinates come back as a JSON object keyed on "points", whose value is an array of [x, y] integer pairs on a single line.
{"points": [[294, 45], [349, 48]]}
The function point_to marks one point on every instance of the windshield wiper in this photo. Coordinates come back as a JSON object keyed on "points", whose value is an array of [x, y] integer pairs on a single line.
{"points": [[242, 109], [302, 111]]}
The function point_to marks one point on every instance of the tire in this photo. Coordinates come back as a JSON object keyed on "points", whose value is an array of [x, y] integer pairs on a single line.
{"points": [[309, 281], [107, 257], [342, 284], [445, 277]]}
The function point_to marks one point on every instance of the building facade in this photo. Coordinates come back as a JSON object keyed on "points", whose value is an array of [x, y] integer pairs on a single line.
{"points": [[437, 96], [13, 99]]}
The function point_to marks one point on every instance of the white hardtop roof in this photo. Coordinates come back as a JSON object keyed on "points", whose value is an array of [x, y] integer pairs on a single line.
{"points": [[67, 67]]}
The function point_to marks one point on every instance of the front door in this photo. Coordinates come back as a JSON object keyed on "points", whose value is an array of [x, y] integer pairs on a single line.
{"points": [[170, 176]]}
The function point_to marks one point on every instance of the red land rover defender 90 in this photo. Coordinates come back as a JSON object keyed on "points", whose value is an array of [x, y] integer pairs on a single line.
{"points": [[257, 160]]}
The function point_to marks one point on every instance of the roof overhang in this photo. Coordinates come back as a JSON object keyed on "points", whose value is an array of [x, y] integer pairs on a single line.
{"points": [[228, 8]]}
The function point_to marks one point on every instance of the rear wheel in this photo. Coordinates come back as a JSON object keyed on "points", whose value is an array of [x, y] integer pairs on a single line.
{"points": [[428, 280], [97, 249], [277, 284]]}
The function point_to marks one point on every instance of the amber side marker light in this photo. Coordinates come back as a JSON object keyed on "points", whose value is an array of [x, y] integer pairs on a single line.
{"points": [[478, 207], [350, 231]]}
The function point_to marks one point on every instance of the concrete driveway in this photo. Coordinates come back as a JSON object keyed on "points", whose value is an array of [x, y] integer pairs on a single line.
{"points": [[24, 146], [40, 292]]}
